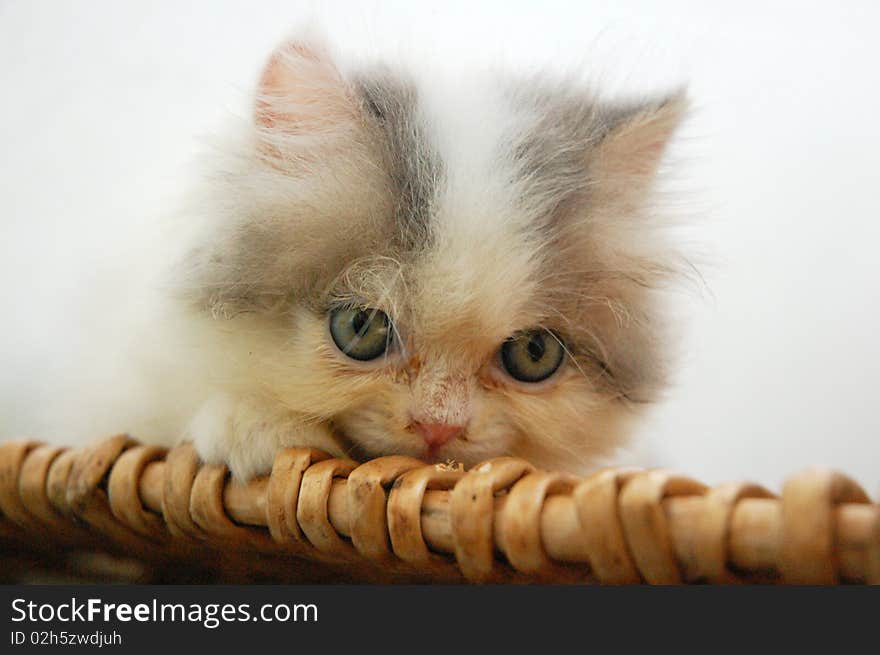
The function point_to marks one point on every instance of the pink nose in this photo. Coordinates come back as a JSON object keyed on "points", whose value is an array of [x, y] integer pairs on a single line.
{"points": [[437, 434]]}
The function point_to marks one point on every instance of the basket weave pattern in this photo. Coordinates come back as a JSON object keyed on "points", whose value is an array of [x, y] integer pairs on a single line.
{"points": [[396, 519]]}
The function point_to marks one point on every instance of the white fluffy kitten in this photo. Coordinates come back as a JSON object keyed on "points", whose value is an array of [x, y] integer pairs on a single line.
{"points": [[383, 262]]}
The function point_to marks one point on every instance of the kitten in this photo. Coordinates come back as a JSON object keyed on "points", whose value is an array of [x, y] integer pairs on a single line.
{"points": [[452, 269]]}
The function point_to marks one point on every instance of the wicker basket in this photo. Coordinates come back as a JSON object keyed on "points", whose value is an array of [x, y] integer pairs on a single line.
{"points": [[119, 510]]}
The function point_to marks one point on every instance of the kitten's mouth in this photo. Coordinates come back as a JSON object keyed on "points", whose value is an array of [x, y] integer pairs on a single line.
{"points": [[435, 455], [439, 454]]}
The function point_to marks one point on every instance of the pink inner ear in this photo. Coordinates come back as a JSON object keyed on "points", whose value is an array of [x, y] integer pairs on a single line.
{"points": [[301, 89], [273, 77], [645, 160], [637, 147]]}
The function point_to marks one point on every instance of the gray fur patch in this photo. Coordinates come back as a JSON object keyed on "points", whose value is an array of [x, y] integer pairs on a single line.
{"points": [[551, 154], [606, 307], [286, 251], [412, 162]]}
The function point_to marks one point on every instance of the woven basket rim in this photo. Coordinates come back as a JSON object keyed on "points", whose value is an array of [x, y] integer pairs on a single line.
{"points": [[396, 518]]}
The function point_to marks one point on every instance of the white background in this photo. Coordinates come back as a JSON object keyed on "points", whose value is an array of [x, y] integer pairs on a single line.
{"points": [[102, 102]]}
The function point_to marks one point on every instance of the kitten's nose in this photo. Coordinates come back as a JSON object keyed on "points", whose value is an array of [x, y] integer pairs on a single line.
{"points": [[437, 434]]}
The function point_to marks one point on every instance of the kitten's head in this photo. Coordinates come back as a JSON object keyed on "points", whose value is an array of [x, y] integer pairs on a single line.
{"points": [[452, 269]]}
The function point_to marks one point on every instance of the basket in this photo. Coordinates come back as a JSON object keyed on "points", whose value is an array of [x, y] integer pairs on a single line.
{"points": [[118, 510]]}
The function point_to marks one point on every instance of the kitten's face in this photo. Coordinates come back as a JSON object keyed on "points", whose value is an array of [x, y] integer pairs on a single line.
{"points": [[449, 272], [454, 347]]}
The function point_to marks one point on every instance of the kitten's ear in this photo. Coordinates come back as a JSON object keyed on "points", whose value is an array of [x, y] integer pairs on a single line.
{"points": [[636, 138], [301, 91]]}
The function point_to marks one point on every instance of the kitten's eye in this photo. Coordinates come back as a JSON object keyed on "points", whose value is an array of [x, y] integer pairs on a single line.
{"points": [[532, 356], [362, 334]]}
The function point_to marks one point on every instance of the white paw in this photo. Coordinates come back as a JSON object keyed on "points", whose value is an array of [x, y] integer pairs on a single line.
{"points": [[246, 435]]}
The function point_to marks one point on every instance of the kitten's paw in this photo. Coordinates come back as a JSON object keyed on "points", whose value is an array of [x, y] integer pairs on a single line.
{"points": [[245, 436]]}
